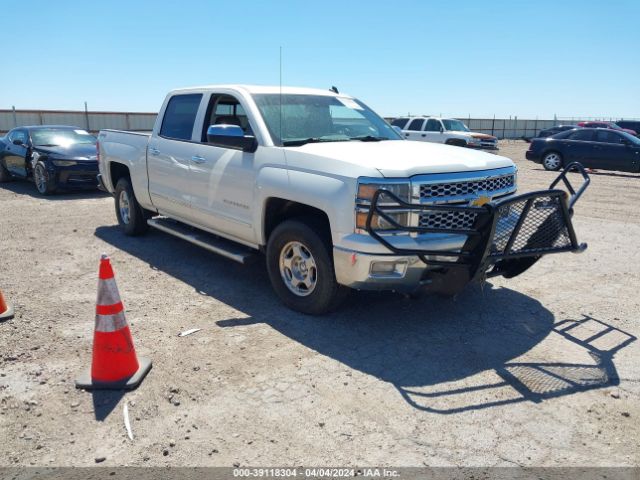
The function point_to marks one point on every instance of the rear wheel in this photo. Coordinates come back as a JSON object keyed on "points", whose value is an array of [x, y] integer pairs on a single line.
{"points": [[45, 184], [552, 161], [132, 218], [300, 266]]}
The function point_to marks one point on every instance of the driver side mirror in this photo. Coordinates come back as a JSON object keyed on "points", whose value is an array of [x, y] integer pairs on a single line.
{"points": [[441, 129], [231, 136]]}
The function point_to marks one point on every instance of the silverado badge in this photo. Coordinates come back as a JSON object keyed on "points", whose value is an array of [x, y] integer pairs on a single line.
{"points": [[480, 201]]}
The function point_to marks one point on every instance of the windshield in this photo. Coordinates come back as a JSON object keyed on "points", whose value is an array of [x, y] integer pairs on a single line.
{"points": [[320, 118], [60, 137], [455, 125]]}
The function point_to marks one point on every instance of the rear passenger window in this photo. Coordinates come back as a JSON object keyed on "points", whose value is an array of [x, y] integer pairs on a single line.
{"points": [[432, 126], [400, 122], [416, 124], [584, 135], [180, 116]]}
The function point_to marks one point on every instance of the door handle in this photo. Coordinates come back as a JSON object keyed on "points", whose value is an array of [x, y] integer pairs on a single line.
{"points": [[198, 159], [424, 134], [154, 151]]}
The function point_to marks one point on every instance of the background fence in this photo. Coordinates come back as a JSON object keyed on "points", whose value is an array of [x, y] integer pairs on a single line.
{"points": [[139, 121], [92, 121]]}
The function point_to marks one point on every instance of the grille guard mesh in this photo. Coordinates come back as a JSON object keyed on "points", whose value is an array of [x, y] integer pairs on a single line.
{"points": [[506, 237]]}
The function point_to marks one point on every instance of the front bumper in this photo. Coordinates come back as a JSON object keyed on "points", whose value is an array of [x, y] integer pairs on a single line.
{"points": [[507, 237], [76, 177]]}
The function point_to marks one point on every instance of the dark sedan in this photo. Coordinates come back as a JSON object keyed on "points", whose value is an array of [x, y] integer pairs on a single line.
{"points": [[601, 148], [53, 156]]}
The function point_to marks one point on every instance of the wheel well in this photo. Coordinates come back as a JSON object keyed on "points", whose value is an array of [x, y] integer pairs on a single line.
{"points": [[118, 171], [456, 142], [277, 210]]}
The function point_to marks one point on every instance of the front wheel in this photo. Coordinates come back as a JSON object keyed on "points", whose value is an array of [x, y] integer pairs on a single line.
{"points": [[131, 216], [552, 161], [45, 184], [300, 267], [5, 176]]}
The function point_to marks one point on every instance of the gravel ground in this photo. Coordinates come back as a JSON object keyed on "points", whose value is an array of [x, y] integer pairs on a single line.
{"points": [[509, 374]]}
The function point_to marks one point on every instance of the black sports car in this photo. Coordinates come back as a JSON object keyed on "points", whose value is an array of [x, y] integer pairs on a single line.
{"points": [[53, 156], [601, 148]]}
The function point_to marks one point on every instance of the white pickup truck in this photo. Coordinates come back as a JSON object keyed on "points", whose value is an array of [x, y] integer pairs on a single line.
{"points": [[329, 192], [449, 131]]}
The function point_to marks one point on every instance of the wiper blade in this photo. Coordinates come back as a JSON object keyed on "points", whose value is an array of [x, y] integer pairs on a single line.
{"points": [[47, 145], [304, 141], [369, 138]]}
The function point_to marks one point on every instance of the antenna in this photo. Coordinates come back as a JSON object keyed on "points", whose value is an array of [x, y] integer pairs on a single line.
{"points": [[280, 94]]}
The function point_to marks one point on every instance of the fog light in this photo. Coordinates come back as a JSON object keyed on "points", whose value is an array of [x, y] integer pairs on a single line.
{"points": [[388, 269]]}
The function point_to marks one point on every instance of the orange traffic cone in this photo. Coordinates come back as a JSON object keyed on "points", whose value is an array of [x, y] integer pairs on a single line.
{"points": [[6, 310], [115, 365]]}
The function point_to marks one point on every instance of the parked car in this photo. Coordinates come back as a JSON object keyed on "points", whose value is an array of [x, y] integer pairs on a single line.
{"points": [[547, 132], [449, 131], [630, 125], [53, 156], [602, 148], [610, 125], [310, 178]]}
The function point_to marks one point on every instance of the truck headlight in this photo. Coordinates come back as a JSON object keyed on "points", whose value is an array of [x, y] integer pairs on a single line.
{"points": [[366, 191]]}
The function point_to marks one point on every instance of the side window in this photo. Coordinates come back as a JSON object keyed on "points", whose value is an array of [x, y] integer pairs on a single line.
{"points": [[400, 122], [180, 116], [433, 125], [19, 135], [608, 136], [416, 124], [584, 135], [225, 110]]}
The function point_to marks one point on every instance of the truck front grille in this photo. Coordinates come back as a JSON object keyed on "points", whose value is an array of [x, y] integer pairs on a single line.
{"points": [[447, 220], [467, 188]]}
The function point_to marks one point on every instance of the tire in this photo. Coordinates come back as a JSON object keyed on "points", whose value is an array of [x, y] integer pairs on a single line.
{"points": [[300, 267], [132, 218], [552, 161], [43, 181], [5, 176]]}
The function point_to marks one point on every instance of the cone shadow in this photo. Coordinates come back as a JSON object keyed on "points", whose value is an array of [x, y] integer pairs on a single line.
{"points": [[104, 401]]}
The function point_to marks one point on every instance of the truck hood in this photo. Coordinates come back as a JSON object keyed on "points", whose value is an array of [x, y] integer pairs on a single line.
{"points": [[401, 158]]}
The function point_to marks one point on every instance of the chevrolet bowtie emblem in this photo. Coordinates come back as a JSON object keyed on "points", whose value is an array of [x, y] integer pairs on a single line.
{"points": [[480, 201]]}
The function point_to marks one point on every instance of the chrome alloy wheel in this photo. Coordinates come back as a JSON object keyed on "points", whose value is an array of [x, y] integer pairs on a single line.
{"points": [[125, 207], [298, 269], [552, 161], [40, 177]]}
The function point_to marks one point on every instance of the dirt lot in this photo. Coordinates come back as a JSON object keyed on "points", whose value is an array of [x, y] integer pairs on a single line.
{"points": [[512, 374]]}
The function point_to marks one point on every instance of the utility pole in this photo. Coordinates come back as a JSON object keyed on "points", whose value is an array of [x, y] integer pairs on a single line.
{"points": [[86, 115]]}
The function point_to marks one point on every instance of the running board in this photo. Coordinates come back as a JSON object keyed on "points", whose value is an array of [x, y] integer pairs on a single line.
{"points": [[221, 246]]}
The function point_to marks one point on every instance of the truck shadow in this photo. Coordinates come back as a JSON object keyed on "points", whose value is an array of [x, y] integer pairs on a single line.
{"points": [[24, 187], [443, 355]]}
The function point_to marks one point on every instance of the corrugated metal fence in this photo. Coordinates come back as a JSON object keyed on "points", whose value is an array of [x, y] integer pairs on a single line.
{"points": [[92, 121], [139, 121]]}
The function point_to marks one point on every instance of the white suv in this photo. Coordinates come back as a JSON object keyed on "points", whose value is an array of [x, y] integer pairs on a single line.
{"points": [[444, 130]]}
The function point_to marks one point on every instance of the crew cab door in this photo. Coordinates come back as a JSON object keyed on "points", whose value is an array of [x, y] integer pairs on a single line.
{"points": [[169, 156], [413, 131], [222, 179], [15, 156], [579, 147], [433, 131]]}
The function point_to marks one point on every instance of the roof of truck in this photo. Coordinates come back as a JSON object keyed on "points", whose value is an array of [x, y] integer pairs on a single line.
{"points": [[265, 89]]}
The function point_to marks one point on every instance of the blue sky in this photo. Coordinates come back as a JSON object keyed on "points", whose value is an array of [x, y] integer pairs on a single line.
{"points": [[459, 58]]}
